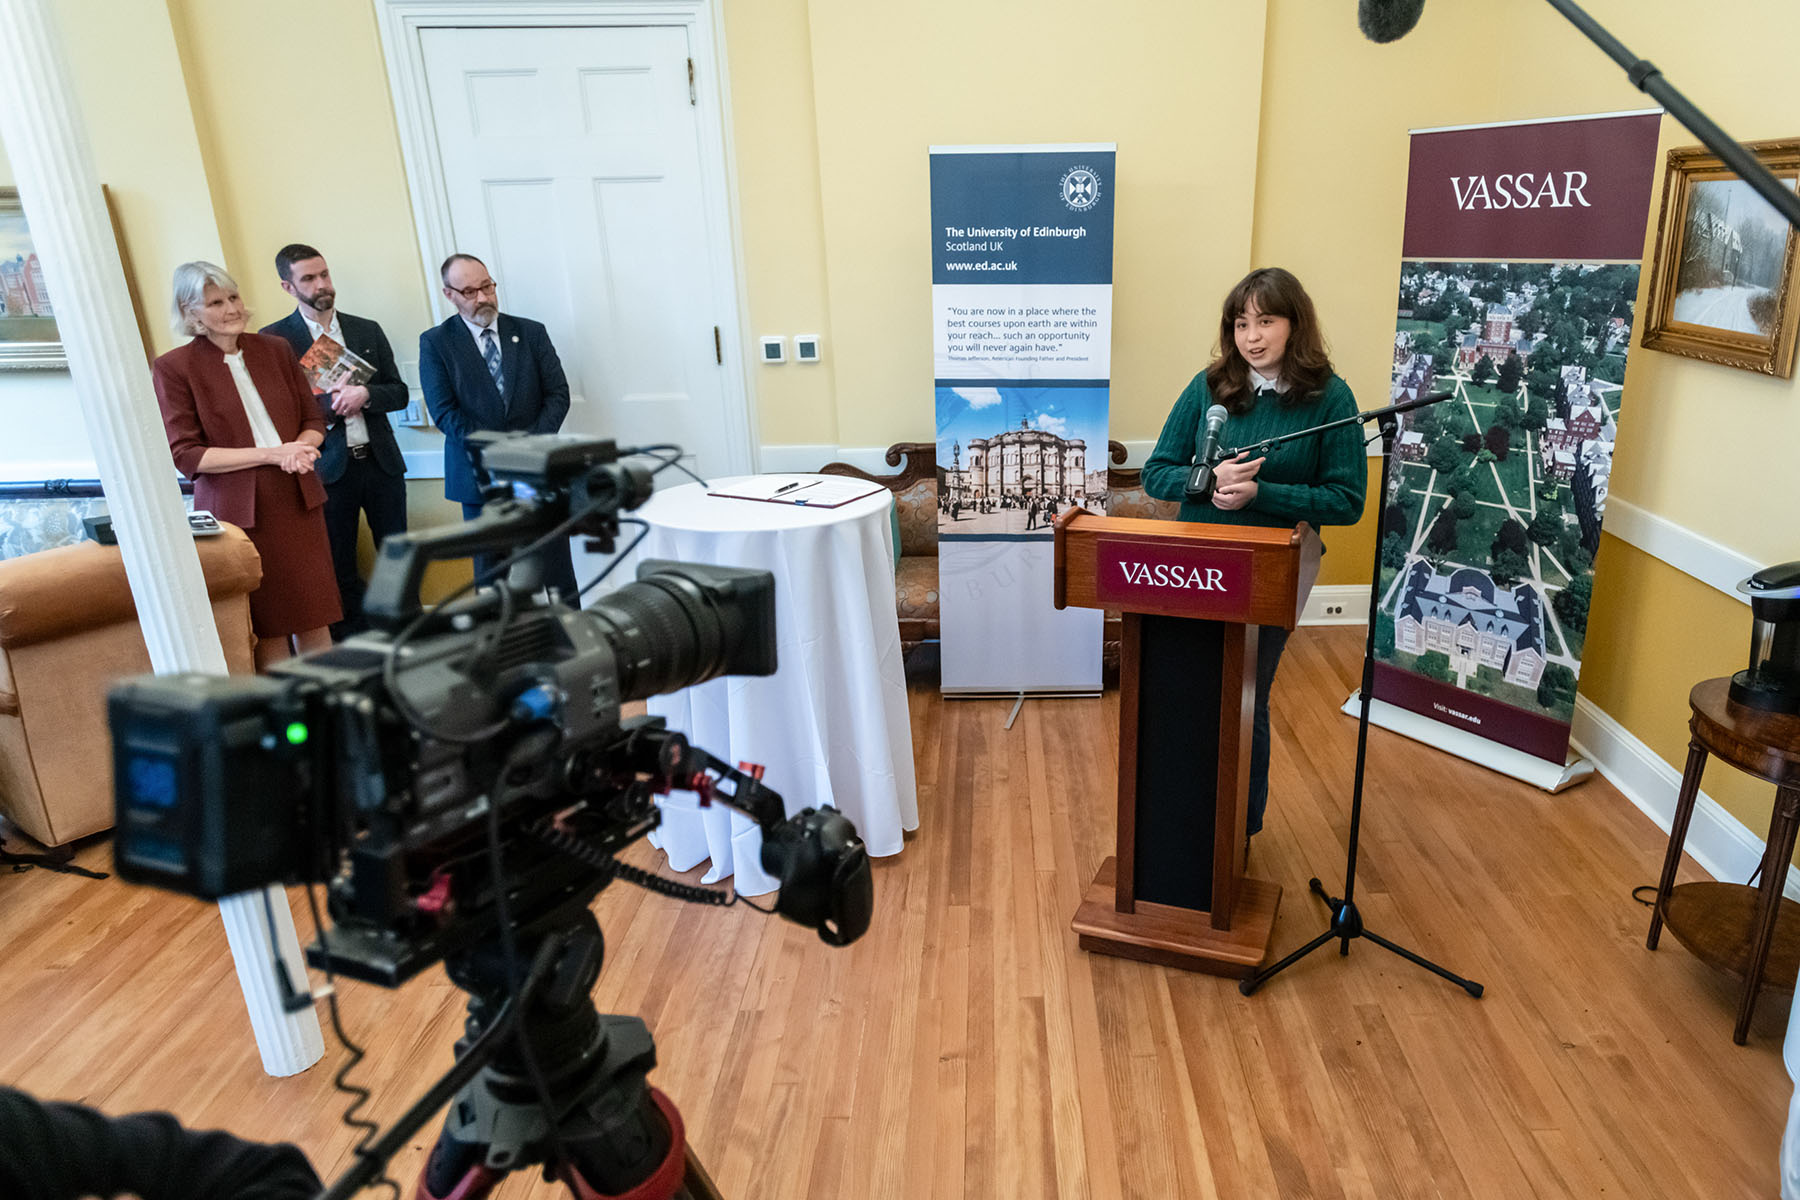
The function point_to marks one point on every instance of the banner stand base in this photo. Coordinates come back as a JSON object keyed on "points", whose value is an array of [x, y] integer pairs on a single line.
{"points": [[981, 693], [1538, 772]]}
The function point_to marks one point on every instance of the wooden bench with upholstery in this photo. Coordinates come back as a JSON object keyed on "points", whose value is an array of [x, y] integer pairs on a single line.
{"points": [[915, 488]]}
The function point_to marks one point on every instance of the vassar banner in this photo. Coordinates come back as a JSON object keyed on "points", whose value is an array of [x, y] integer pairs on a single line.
{"points": [[1021, 303], [1517, 294]]}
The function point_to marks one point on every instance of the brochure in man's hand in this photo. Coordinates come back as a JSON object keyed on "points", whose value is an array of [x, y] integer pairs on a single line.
{"points": [[812, 491], [329, 365]]}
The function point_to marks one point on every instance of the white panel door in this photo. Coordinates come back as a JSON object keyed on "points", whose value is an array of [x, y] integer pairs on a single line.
{"points": [[571, 159]]}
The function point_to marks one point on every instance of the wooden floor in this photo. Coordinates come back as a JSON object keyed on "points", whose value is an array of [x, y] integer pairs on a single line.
{"points": [[966, 1048]]}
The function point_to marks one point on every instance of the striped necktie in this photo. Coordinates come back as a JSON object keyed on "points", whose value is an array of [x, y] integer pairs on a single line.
{"points": [[490, 351]]}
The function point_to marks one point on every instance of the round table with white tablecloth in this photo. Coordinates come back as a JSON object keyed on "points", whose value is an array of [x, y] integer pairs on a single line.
{"points": [[830, 726]]}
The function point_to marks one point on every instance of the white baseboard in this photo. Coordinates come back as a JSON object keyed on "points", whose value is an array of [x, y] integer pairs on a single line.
{"points": [[1337, 604], [424, 464], [1718, 841], [1708, 561]]}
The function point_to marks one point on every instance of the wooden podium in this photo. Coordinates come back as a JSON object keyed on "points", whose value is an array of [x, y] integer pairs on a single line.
{"points": [[1191, 597]]}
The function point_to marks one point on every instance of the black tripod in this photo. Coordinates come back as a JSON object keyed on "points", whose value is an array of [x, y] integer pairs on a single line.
{"points": [[1346, 922], [613, 1133]]}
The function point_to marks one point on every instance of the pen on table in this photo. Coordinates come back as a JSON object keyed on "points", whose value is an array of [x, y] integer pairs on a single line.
{"points": [[787, 487]]}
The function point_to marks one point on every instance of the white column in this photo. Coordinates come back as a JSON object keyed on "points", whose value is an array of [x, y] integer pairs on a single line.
{"points": [[46, 141]]}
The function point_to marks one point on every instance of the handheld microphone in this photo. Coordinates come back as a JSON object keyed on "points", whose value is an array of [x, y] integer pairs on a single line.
{"points": [[1387, 20], [1200, 479]]}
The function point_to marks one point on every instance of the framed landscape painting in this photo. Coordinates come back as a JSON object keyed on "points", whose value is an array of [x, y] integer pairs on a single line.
{"points": [[28, 334], [1722, 287]]}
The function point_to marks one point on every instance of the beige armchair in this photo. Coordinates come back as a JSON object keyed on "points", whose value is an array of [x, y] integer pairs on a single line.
{"points": [[68, 631]]}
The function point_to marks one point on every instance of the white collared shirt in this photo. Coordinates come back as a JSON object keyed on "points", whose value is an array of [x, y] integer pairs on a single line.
{"points": [[356, 429], [476, 331], [1259, 381], [262, 427]]}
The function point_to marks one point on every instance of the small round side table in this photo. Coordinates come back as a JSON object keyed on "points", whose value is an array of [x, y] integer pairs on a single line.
{"points": [[1750, 933]]}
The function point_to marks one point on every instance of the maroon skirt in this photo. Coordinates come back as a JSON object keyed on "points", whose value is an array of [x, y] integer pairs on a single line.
{"points": [[299, 589]]}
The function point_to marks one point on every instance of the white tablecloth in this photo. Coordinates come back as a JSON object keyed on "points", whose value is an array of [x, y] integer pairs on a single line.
{"points": [[831, 724]]}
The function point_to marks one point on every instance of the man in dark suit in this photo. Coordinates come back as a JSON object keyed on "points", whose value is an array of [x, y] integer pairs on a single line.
{"points": [[360, 463], [485, 369]]}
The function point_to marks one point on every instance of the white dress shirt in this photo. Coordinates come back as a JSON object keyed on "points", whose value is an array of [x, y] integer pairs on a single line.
{"points": [[262, 428], [356, 429], [1259, 381]]}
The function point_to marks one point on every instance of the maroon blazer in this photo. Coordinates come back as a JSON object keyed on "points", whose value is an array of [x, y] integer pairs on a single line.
{"points": [[201, 409]]}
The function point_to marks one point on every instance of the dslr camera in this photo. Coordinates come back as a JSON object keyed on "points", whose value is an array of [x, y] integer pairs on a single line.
{"points": [[468, 764]]}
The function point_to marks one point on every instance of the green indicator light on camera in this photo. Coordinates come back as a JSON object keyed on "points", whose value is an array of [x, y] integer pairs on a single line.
{"points": [[296, 734]]}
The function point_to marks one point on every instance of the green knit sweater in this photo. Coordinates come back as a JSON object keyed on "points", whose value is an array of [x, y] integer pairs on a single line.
{"points": [[1319, 480]]}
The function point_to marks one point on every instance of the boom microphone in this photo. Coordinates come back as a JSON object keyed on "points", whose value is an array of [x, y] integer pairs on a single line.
{"points": [[1200, 479], [1387, 20]]}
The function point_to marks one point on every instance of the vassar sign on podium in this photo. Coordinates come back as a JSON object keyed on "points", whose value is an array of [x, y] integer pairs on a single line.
{"points": [[1191, 598]]}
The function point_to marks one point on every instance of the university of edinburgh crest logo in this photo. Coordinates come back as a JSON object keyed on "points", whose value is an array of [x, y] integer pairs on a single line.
{"points": [[1081, 188]]}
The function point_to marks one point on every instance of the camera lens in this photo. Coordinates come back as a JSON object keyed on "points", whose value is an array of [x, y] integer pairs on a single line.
{"points": [[682, 624]]}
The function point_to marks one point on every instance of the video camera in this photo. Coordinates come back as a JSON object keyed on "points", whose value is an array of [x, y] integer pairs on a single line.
{"points": [[421, 769]]}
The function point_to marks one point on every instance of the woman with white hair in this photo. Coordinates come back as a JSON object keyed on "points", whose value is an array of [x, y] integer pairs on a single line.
{"points": [[243, 425]]}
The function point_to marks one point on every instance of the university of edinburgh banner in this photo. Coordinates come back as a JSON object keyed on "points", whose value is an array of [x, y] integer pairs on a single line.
{"points": [[1517, 293], [1021, 303]]}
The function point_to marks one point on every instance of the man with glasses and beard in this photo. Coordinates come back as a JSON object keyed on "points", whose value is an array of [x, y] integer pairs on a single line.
{"points": [[359, 463], [485, 369]]}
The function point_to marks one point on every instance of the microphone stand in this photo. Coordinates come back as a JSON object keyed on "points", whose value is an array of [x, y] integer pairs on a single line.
{"points": [[1346, 922], [1221, 453], [1645, 76]]}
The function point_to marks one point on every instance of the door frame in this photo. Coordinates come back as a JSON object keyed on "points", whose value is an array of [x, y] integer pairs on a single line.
{"points": [[401, 23]]}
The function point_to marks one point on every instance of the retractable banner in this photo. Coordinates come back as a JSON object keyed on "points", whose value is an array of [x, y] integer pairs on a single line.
{"points": [[1021, 304], [1517, 292]]}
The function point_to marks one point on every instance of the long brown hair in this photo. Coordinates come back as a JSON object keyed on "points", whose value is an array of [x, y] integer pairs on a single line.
{"points": [[1305, 366]]}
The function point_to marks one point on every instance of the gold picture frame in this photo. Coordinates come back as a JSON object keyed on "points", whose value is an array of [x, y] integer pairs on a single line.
{"points": [[32, 341], [29, 338], [1722, 278]]}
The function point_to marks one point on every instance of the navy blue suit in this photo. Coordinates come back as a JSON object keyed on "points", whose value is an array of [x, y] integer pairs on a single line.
{"points": [[462, 398], [372, 484]]}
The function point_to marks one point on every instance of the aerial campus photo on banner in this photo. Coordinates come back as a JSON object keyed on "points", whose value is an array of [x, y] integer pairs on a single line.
{"points": [[1493, 517]]}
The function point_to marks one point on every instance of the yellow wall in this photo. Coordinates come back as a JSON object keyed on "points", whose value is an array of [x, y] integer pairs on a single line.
{"points": [[128, 76], [780, 220], [891, 80], [297, 125], [1654, 633], [146, 153], [832, 110]]}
